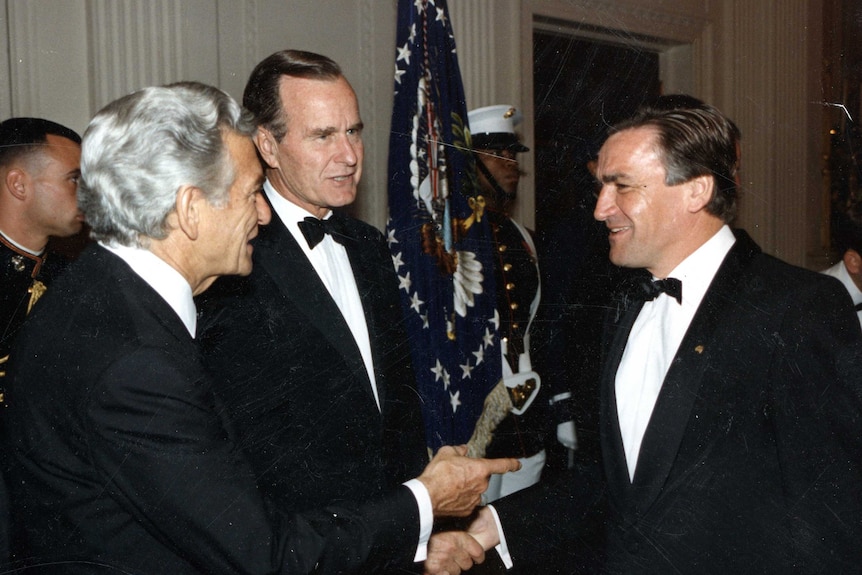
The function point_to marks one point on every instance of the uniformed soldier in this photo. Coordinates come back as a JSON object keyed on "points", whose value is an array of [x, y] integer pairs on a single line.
{"points": [[40, 162], [522, 433], [39, 170]]}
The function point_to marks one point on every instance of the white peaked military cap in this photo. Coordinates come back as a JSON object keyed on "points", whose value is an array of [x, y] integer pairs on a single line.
{"points": [[493, 127]]}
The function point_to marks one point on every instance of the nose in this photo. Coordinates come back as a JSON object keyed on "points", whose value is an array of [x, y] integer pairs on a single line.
{"points": [[605, 204], [348, 153], [263, 213]]}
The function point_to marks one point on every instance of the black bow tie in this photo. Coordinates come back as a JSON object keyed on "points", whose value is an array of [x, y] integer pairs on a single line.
{"points": [[859, 307], [652, 288], [314, 229]]}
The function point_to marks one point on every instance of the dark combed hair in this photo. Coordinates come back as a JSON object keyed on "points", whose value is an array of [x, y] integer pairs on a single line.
{"points": [[261, 96], [695, 140], [22, 136]]}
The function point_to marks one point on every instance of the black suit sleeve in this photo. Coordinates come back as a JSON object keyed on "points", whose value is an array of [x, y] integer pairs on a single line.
{"points": [[162, 448], [815, 400], [560, 521]]}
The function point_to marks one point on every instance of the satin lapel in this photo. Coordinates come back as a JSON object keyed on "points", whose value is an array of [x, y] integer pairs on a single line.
{"points": [[617, 330], [680, 389], [368, 283], [278, 254]]}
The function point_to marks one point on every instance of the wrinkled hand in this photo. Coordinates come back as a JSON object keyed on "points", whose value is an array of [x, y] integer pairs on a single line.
{"points": [[451, 552], [456, 483], [484, 529]]}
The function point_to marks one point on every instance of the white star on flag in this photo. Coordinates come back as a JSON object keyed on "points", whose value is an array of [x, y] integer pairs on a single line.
{"points": [[397, 261], [455, 400], [480, 355], [465, 370], [404, 282], [437, 370], [488, 338], [415, 302], [390, 238], [404, 54]]}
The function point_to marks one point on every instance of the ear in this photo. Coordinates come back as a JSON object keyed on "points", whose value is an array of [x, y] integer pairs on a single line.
{"points": [[266, 146], [853, 262], [17, 182], [188, 210], [700, 190]]}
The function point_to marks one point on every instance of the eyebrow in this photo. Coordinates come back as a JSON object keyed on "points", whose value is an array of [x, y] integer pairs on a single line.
{"points": [[321, 132], [328, 131], [612, 178]]}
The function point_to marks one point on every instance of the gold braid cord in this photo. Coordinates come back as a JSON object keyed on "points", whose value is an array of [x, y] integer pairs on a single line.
{"points": [[36, 291], [497, 406]]}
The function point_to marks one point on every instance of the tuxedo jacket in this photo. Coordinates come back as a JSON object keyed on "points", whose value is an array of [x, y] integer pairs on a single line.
{"points": [[751, 461], [293, 381], [123, 460]]}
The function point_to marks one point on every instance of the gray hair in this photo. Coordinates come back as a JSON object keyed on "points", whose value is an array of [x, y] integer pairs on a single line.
{"points": [[140, 149]]}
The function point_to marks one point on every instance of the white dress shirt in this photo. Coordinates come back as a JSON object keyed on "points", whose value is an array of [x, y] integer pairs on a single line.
{"points": [[839, 271], [163, 278], [330, 261], [655, 338]]}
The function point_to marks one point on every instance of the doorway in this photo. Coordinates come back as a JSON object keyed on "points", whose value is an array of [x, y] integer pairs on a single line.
{"points": [[581, 86]]}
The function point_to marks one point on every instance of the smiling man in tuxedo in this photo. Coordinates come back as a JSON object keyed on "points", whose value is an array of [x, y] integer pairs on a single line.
{"points": [[731, 416]]}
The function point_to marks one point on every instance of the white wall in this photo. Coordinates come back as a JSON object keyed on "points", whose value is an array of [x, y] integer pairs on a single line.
{"points": [[758, 62]]}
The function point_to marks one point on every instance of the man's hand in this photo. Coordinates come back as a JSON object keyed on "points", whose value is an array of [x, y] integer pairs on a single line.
{"points": [[456, 483], [484, 529], [451, 552]]}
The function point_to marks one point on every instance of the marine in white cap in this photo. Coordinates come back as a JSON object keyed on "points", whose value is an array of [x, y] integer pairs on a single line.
{"points": [[522, 432]]}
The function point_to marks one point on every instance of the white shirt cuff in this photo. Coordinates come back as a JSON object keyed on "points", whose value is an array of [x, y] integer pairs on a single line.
{"points": [[426, 517], [502, 548]]}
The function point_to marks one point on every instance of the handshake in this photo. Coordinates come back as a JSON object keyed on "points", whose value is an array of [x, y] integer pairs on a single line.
{"points": [[455, 484]]}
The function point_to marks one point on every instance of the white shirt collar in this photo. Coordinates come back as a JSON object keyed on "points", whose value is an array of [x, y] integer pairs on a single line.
{"points": [[287, 210], [697, 271], [839, 271], [163, 278], [20, 247]]}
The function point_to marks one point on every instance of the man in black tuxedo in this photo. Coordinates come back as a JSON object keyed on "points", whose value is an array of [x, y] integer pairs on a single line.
{"points": [[123, 460], [308, 353], [731, 416]]}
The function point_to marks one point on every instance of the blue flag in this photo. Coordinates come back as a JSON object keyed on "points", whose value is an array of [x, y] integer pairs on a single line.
{"points": [[441, 242]]}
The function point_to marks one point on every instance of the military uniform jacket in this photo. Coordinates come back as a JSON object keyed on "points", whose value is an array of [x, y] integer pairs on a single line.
{"points": [[516, 276], [23, 279]]}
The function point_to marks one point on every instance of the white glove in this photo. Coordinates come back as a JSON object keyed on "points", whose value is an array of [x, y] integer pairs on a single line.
{"points": [[566, 434]]}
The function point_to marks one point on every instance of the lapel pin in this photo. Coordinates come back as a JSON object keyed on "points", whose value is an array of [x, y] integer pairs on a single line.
{"points": [[698, 349]]}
